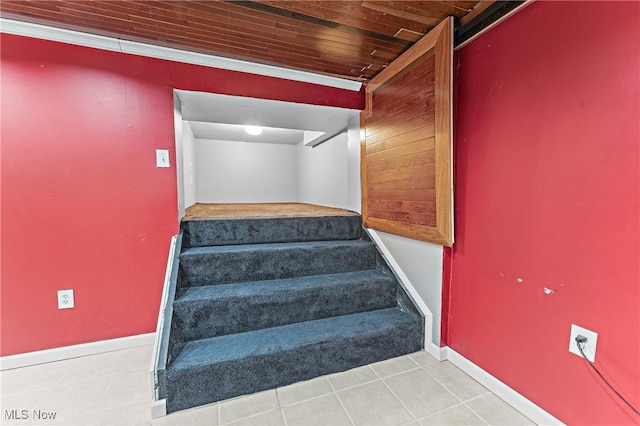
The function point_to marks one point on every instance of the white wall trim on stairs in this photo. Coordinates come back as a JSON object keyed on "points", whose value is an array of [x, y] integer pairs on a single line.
{"points": [[79, 38], [439, 353], [75, 351], [504, 392], [413, 293]]}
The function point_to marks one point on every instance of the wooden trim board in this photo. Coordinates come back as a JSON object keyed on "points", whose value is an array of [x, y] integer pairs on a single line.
{"points": [[407, 106]]}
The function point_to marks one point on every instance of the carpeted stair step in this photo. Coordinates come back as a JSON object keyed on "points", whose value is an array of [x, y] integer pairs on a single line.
{"points": [[213, 232], [218, 368], [256, 262], [207, 311]]}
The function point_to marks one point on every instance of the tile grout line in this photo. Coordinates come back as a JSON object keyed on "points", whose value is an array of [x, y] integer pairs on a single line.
{"points": [[393, 393], [281, 407], [335, 393], [399, 400], [458, 398]]}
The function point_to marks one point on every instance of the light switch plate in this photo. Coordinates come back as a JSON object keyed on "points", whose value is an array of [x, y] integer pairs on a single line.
{"points": [[162, 158]]}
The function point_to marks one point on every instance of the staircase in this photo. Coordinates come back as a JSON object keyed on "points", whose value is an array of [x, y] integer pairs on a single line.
{"points": [[262, 303]]}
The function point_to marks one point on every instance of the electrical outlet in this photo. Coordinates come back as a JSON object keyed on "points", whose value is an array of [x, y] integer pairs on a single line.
{"points": [[589, 348], [65, 299]]}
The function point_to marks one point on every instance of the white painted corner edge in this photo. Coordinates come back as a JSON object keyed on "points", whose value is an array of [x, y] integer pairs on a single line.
{"points": [[504, 392], [406, 283], [439, 353], [75, 351], [79, 38], [158, 408]]}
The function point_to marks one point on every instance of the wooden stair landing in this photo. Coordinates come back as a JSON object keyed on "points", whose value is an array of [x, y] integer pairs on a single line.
{"points": [[200, 211]]}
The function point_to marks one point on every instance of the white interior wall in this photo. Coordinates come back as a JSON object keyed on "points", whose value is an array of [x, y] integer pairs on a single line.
{"points": [[322, 173], [188, 164], [245, 172], [422, 264], [329, 173]]}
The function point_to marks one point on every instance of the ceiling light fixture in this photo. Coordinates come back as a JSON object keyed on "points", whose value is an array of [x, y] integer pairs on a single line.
{"points": [[253, 130]]}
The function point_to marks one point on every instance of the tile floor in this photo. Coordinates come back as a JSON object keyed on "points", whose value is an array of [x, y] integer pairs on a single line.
{"points": [[114, 389]]}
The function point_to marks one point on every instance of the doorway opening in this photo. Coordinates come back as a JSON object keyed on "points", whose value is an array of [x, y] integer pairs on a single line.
{"points": [[304, 153]]}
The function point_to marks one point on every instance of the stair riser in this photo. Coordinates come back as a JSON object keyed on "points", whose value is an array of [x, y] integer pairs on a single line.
{"points": [[198, 319], [206, 384], [199, 233], [229, 267]]}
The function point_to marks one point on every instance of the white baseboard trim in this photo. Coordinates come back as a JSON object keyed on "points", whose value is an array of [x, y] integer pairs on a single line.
{"points": [[75, 351], [436, 351], [158, 408], [504, 392]]}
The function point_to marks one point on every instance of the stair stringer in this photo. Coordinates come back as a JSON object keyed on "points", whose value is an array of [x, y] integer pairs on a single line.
{"points": [[410, 292]]}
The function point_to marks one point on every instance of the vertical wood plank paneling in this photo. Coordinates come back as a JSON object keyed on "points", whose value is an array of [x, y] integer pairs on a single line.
{"points": [[406, 142]]}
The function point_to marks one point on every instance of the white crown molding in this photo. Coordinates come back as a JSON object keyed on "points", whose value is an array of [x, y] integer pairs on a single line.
{"points": [[78, 38]]}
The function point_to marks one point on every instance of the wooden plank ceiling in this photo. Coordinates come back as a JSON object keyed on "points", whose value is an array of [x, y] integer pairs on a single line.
{"points": [[353, 39]]}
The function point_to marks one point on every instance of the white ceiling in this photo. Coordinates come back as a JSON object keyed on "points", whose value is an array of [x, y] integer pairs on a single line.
{"points": [[223, 117], [236, 132]]}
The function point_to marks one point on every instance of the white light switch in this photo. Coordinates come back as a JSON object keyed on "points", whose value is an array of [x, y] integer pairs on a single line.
{"points": [[162, 158]]}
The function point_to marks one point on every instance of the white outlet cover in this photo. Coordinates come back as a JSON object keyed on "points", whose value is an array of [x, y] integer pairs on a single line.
{"points": [[65, 299], [590, 347], [162, 158]]}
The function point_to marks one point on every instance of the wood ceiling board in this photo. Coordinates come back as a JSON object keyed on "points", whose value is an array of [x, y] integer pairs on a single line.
{"points": [[339, 38], [387, 8], [350, 13]]}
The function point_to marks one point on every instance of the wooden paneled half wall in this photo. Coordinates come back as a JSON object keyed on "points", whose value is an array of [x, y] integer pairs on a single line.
{"points": [[407, 142]]}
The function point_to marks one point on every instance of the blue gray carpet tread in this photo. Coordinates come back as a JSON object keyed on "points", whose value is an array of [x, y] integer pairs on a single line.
{"points": [[233, 291], [267, 247], [206, 352]]}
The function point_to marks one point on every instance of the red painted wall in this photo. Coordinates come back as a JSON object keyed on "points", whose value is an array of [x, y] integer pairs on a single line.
{"points": [[547, 190], [83, 205]]}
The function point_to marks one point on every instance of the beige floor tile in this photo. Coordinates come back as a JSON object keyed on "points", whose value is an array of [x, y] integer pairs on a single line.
{"points": [[132, 414], [456, 415], [272, 418], [25, 401], [127, 388], [456, 381], [247, 406], [420, 393], [135, 359], [353, 377], [325, 410], [497, 412], [114, 388], [394, 366], [76, 399], [205, 415], [373, 404], [304, 390], [91, 367], [27, 379], [423, 358]]}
